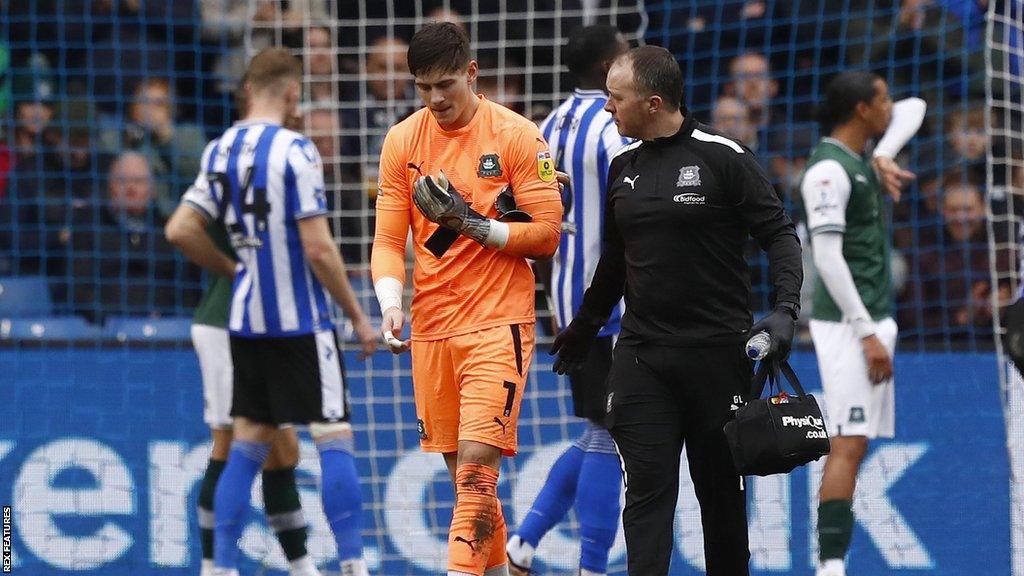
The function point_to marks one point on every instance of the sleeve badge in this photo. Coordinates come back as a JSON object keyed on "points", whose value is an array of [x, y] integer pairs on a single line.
{"points": [[545, 166]]}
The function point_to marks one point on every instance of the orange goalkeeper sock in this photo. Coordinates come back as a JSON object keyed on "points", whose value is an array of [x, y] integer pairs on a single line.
{"points": [[475, 519], [498, 556]]}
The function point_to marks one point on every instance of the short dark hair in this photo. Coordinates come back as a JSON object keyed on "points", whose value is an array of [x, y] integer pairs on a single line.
{"points": [[656, 72], [440, 46], [843, 94], [588, 46], [272, 66]]}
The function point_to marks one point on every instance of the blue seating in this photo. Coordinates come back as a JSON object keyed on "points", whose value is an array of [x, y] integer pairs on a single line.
{"points": [[73, 328], [24, 296], [125, 329]]}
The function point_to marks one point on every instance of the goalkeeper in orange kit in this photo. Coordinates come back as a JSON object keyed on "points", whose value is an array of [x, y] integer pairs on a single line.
{"points": [[476, 183]]}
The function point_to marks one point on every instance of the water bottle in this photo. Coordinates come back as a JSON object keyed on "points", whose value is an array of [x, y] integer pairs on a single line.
{"points": [[759, 345]]}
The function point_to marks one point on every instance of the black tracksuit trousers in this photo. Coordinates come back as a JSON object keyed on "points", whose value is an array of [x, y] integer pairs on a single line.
{"points": [[665, 398]]}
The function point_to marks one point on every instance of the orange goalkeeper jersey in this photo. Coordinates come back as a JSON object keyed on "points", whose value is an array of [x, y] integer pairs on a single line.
{"points": [[470, 287]]}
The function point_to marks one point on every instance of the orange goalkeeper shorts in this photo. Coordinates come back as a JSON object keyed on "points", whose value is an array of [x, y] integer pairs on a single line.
{"points": [[470, 386]]}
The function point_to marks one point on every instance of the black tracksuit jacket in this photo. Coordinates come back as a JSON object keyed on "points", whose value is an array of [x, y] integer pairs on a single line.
{"points": [[678, 213]]}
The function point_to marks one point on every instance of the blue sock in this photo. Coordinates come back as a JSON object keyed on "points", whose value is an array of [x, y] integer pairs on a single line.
{"points": [[342, 496], [231, 499], [555, 497], [597, 506]]}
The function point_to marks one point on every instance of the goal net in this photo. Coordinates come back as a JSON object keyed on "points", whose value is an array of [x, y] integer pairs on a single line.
{"points": [[1004, 99]]}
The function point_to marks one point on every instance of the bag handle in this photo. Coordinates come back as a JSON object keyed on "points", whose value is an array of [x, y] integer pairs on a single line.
{"points": [[769, 370]]}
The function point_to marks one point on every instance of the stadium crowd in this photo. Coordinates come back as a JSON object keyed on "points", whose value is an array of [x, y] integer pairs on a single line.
{"points": [[108, 104]]}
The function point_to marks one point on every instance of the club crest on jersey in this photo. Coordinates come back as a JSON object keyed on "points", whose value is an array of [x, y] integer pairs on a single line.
{"points": [[688, 176], [489, 166], [545, 166]]}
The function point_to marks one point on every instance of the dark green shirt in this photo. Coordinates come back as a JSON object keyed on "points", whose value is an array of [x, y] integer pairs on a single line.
{"points": [[215, 305], [842, 194]]}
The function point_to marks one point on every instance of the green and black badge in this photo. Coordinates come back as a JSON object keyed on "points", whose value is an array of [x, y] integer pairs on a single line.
{"points": [[489, 166]]}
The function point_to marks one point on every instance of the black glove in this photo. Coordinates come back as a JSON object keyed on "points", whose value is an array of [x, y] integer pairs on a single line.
{"points": [[440, 202], [780, 325], [505, 203], [572, 345], [1013, 340]]}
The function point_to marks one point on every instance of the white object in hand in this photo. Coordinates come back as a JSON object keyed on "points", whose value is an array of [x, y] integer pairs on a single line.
{"points": [[390, 340], [759, 345]]}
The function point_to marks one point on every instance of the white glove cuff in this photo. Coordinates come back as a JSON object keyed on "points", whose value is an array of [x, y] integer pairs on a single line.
{"points": [[389, 293], [497, 236]]}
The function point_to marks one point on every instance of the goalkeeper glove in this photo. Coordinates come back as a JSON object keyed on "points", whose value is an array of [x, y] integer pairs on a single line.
{"points": [[442, 204], [781, 326], [572, 345]]}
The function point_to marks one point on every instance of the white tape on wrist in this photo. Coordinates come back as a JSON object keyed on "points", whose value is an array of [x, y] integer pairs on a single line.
{"points": [[863, 327], [389, 293], [497, 236]]}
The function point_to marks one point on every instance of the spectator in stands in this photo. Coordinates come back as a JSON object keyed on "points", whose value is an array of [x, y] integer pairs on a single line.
{"points": [[31, 119], [965, 131], [732, 116], [750, 80], [30, 222], [948, 295], [502, 84], [56, 175], [172, 149], [389, 98], [121, 262], [126, 40], [387, 70], [321, 66], [354, 226], [961, 149], [224, 27], [72, 168], [936, 46]]}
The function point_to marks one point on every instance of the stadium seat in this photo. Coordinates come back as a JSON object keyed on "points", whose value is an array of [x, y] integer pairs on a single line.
{"points": [[73, 328], [23, 296], [148, 329]]}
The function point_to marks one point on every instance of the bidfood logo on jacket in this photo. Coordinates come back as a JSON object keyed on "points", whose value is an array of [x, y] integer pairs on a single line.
{"points": [[691, 198]]}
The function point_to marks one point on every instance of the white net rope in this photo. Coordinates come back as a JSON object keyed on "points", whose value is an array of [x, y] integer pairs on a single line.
{"points": [[1005, 164]]}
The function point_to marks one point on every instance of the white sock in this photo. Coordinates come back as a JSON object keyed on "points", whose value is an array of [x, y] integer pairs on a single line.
{"points": [[585, 572], [206, 567], [303, 567], [225, 572], [833, 567], [354, 567], [520, 552]]}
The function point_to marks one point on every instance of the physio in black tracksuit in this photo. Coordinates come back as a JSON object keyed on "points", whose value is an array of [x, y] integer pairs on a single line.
{"points": [[681, 203]]}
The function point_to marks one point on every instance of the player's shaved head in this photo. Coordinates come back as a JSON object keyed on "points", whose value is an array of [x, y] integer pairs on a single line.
{"points": [[656, 73], [439, 47]]}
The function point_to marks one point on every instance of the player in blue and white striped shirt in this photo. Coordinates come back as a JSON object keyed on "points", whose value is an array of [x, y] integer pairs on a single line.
{"points": [[583, 140], [265, 184]]}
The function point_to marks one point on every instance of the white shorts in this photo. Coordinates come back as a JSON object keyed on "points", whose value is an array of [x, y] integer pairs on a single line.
{"points": [[213, 347], [853, 405]]}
